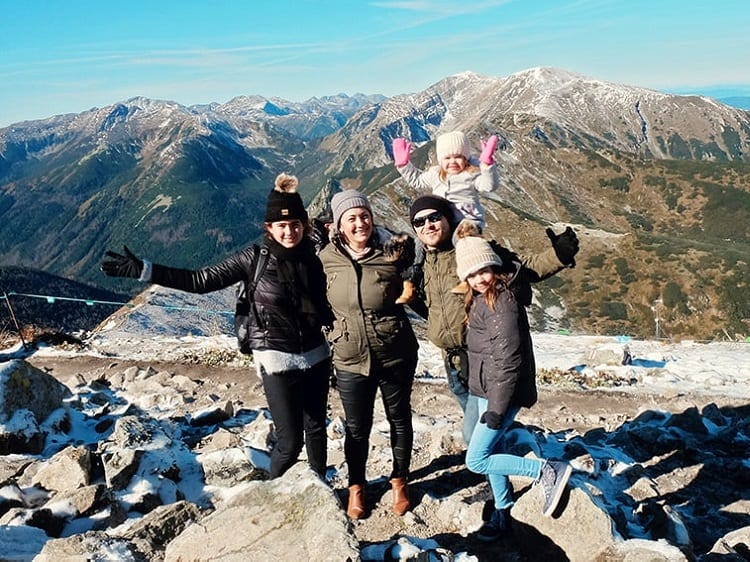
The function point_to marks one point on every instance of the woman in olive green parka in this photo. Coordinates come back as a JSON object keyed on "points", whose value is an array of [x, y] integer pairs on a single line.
{"points": [[373, 344]]}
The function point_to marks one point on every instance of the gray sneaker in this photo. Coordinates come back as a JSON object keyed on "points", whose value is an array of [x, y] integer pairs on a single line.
{"points": [[553, 479]]}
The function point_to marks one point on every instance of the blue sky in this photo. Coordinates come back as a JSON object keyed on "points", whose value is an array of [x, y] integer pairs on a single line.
{"points": [[61, 56]]}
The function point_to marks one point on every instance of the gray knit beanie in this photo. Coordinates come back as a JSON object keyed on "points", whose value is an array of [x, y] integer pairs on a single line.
{"points": [[345, 200], [472, 254]]}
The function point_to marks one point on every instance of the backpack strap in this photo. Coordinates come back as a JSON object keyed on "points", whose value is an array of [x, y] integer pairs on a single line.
{"points": [[260, 266], [245, 306], [261, 260]]}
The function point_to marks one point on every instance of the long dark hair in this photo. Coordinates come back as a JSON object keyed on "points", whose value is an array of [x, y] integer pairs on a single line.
{"points": [[491, 294]]}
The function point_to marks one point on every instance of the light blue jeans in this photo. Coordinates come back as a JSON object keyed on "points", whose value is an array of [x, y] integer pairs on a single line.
{"points": [[467, 401], [485, 456]]}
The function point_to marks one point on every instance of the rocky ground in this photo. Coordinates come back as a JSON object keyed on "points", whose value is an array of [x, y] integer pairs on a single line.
{"points": [[438, 456]]}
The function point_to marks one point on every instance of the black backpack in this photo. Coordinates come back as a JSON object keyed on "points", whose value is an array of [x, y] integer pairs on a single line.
{"points": [[246, 304]]}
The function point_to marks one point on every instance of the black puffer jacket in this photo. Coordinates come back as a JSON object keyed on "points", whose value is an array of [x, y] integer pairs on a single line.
{"points": [[289, 298]]}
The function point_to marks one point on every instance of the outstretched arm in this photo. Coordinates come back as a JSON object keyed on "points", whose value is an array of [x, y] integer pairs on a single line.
{"points": [[424, 181], [205, 280]]}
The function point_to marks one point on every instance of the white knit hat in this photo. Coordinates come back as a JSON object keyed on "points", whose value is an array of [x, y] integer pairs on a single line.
{"points": [[452, 143], [472, 254]]}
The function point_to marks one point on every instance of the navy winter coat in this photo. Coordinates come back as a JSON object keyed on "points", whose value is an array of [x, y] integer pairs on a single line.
{"points": [[501, 354]]}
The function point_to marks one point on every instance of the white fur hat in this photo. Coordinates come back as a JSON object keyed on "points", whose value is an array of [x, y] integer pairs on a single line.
{"points": [[452, 143], [472, 254]]}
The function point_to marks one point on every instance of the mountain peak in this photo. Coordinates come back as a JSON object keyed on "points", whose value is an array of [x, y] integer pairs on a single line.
{"points": [[665, 175]]}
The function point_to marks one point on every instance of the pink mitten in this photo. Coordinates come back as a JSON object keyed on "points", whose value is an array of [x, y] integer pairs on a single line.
{"points": [[401, 152], [488, 149]]}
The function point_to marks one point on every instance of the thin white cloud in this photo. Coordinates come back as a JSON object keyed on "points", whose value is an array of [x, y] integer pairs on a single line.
{"points": [[441, 7], [410, 6]]}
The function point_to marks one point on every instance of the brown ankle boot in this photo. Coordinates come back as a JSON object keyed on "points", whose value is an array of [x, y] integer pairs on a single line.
{"points": [[407, 293], [356, 507], [400, 492]]}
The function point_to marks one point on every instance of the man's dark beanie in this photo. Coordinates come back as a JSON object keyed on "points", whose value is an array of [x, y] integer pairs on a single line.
{"points": [[440, 204]]}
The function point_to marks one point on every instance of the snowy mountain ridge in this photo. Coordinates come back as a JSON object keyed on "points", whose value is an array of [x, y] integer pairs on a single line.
{"points": [[666, 174]]}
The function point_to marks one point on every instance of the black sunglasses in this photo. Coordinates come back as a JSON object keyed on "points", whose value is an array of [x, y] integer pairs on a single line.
{"points": [[432, 217]]}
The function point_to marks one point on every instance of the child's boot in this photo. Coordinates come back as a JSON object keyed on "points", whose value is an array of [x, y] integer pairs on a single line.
{"points": [[407, 294]]}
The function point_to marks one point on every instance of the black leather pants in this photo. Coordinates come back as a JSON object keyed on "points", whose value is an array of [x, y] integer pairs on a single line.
{"points": [[358, 399]]}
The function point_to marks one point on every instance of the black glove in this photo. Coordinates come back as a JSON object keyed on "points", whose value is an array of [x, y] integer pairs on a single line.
{"points": [[493, 420], [399, 248], [565, 245], [333, 382], [122, 266]]}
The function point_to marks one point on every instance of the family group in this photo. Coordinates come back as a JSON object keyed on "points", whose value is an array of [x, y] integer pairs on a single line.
{"points": [[339, 306]]}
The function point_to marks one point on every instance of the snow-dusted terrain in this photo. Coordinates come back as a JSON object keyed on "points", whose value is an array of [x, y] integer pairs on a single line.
{"points": [[657, 368], [715, 368]]}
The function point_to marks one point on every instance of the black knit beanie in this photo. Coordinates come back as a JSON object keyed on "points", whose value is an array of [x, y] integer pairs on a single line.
{"points": [[440, 204], [284, 203]]}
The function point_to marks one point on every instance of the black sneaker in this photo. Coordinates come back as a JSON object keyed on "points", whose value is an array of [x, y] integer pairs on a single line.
{"points": [[497, 527], [553, 479]]}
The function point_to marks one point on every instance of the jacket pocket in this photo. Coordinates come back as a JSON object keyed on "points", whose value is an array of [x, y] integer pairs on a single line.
{"points": [[388, 330], [339, 332], [482, 376]]}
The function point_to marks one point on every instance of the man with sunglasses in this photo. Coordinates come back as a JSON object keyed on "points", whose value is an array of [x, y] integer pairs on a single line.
{"points": [[435, 220]]}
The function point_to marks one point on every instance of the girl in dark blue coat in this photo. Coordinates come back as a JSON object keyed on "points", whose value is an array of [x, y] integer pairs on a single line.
{"points": [[502, 376]]}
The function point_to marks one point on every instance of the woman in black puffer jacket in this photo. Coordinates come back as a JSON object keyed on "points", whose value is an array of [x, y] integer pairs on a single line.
{"points": [[288, 310]]}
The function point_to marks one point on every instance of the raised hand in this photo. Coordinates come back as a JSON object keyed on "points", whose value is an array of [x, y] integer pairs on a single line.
{"points": [[401, 152], [488, 150], [119, 265], [565, 245]]}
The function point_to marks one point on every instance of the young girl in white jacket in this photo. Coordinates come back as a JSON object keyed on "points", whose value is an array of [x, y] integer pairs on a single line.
{"points": [[457, 177]]}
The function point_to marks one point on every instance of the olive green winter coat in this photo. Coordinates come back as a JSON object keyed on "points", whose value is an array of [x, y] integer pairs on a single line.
{"points": [[370, 330], [445, 323]]}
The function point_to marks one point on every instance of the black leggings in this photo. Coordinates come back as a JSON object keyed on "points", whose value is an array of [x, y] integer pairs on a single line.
{"points": [[297, 401], [358, 399]]}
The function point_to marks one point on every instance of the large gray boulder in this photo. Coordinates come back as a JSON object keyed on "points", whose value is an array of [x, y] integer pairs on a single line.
{"points": [[23, 386], [27, 396], [295, 517], [579, 530]]}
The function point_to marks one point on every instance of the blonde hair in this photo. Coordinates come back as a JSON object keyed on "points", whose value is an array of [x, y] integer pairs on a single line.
{"points": [[442, 174]]}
